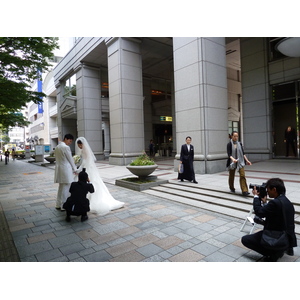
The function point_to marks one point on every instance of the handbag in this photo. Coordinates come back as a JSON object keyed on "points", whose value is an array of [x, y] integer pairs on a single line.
{"points": [[276, 240], [180, 168]]}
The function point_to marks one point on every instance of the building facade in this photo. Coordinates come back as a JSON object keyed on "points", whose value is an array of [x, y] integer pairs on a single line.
{"points": [[120, 93]]}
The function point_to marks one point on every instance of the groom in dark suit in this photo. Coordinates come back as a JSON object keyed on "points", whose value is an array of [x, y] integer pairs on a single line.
{"points": [[187, 159]]}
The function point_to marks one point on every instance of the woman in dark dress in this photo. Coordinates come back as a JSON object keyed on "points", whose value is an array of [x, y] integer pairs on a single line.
{"points": [[187, 159]]}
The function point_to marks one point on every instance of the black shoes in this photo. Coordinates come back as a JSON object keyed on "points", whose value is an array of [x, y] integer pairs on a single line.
{"points": [[194, 181], [68, 218], [274, 257], [84, 218], [290, 251], [232, 190], [245, 193]]}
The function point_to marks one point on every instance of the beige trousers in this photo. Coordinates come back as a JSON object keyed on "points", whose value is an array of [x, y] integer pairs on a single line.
{"points": [[243, 182]]}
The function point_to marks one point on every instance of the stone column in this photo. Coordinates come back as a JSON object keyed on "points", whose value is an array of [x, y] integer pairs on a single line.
{"points": [[89, 114], [148, 122], [125, 99], [201, 100], [106, 138], [256, 100]]}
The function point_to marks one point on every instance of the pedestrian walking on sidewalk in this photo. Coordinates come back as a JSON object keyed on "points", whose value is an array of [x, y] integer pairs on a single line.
{"points": [[6, 153], [237, 161], [64, 170]]}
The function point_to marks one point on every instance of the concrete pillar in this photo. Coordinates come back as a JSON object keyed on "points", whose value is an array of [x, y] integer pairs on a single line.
{"points": [[256, 105], [106, 128], [64, 125], [89, 114], [201, 100], [148, 122], [125, 99]]}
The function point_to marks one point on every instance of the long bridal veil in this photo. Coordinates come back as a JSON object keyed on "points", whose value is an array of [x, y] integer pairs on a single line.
{"points": [[101, 201]]}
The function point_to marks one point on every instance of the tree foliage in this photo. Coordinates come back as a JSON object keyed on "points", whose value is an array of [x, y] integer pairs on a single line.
{"points": [[20, 60]]}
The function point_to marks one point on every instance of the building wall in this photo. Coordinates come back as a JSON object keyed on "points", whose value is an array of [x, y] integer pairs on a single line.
{"points": [[201, 100], [256, 99]]}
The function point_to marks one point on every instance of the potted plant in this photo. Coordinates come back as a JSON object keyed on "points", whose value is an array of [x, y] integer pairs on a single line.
{"points": [[142, 166], [50, 158]]}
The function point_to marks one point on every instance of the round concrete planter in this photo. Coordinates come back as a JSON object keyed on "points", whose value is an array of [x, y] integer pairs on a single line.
{"points": [[141, 171], [50, 159]]}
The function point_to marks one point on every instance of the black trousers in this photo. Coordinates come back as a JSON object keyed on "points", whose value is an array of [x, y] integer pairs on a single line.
{"points": [[70, 213], [252, 241]]}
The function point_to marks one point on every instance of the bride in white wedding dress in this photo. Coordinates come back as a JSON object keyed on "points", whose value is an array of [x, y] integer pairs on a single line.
{"points": [[101, 201]]}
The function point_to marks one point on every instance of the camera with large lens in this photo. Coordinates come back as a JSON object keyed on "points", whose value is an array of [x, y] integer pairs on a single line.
{"points": [[259, 220], [261, 189]]}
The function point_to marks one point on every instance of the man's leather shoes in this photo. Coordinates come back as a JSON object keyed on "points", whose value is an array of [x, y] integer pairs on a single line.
{"points": [[246, 193], [84, 218], [290, 251], [194, 181]]}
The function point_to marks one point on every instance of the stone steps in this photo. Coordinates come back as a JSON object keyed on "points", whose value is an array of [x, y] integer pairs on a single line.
{"points": [[218, 201]]}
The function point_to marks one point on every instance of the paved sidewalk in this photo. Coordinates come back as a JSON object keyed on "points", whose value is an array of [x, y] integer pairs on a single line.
{"points": [[147, 229]]}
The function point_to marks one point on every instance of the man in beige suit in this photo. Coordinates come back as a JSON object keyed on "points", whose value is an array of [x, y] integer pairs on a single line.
{"points": [[64, 170]]}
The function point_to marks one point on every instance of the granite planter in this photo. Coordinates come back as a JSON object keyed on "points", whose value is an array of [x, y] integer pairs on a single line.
{"points": [[142, 171], [50, 159]]}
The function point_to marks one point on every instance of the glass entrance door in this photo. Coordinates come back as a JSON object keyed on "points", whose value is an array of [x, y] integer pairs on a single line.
{"points": [[286, 120]]}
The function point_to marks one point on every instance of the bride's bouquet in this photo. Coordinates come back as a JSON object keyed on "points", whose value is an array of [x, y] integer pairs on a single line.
{"points": [[77, 159]]}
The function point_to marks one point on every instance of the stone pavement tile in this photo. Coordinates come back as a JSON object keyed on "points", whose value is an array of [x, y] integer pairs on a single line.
{"points": [[99, 256], [16, 222], [48, 255], [194, 231], [204, 218], [118, 241], [144, 217], [33, 249], [184, 225], [121, 249], [108, 220], [233, 251], [186, 256], [87, 234], [219, 257], [148, 225], [205, 248], [71, 248], [171, 230], [157, 207], [110, 227], [131, 256], [205, 236], [149, 250], [168, 242], [144, 240], [127, 231], [21, 227], [40, 237], [101, 239], [132, 221], [64, 240], [226, 238], [167, 218], [216, 243]]}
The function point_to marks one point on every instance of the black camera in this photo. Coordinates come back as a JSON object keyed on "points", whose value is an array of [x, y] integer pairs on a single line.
{"points": [[259, 220], [261, 189]]}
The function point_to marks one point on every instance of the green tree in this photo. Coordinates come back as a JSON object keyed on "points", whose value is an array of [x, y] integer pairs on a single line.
{"points": [[20, 60]]}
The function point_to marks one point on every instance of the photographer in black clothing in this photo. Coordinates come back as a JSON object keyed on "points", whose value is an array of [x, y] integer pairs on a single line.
{"points": [[273, 214]]}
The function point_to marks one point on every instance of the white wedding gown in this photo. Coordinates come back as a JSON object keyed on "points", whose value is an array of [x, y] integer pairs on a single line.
{"points": [[101, 201]]}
